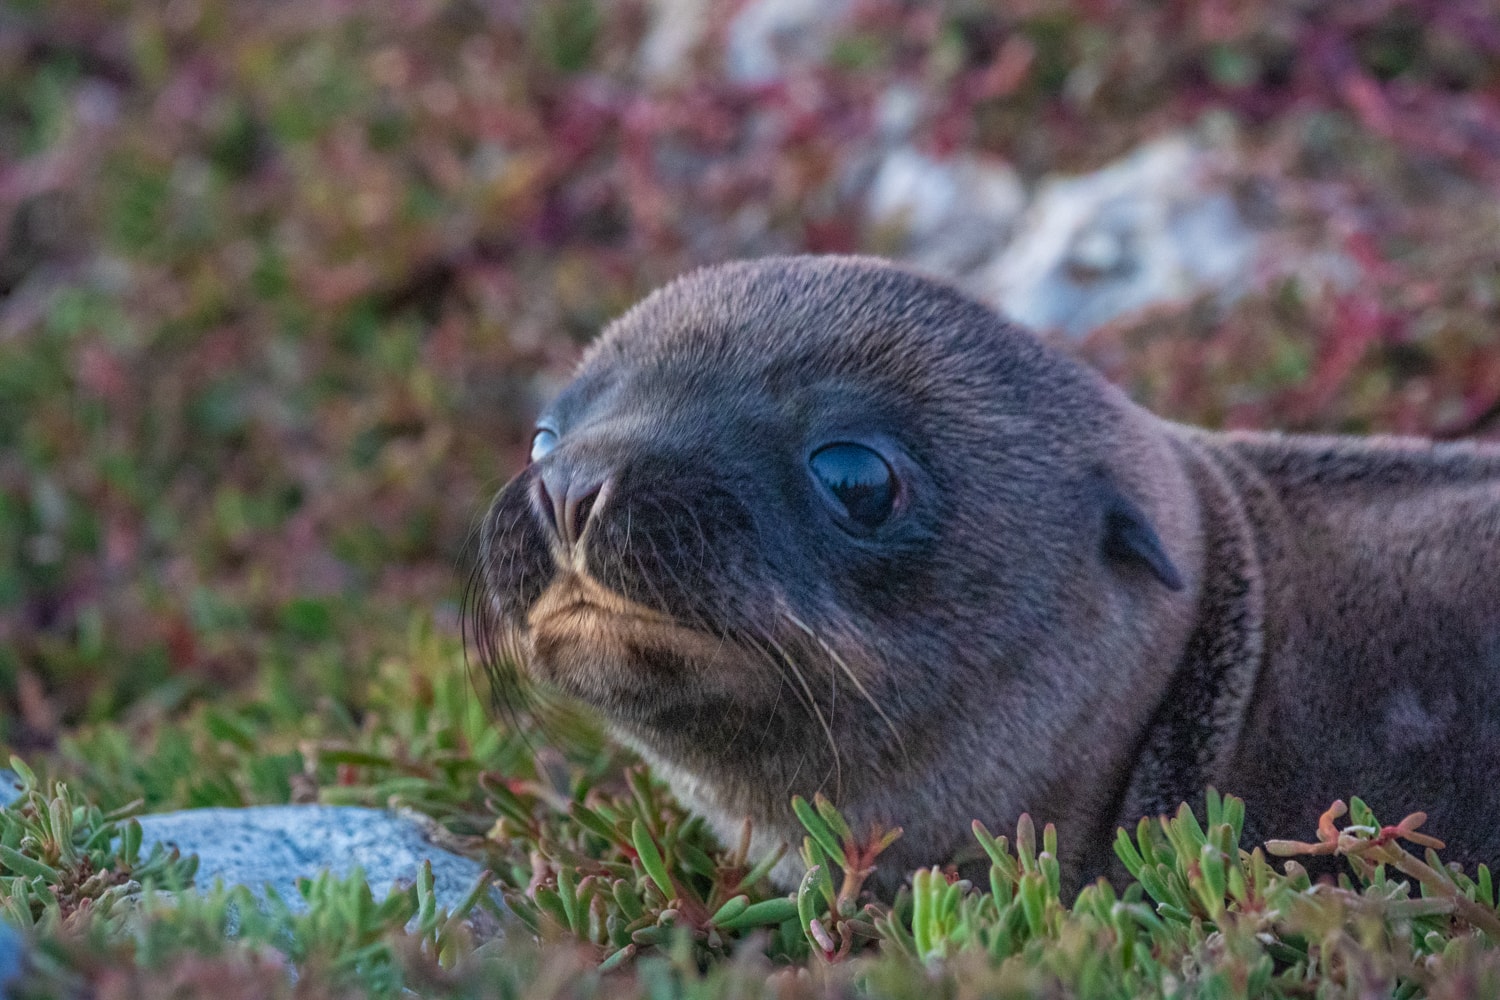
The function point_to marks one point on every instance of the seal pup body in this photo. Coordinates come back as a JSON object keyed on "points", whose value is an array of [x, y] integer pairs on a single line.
{"points": [[1367, 573], [820, 524]]}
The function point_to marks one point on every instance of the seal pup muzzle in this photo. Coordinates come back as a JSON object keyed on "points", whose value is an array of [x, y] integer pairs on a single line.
{"points": [[820, 524]]}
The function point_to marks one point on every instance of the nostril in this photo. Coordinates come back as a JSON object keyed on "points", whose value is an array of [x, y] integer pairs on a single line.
{"points": [[546, 498], [580, 507], [566, 497], [551, 501]]}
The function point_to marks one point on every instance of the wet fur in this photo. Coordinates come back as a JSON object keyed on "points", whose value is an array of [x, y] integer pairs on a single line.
{"points": [[1084, 612]]}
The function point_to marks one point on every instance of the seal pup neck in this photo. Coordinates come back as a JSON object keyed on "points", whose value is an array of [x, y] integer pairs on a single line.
{"points": [[1195, 730]]}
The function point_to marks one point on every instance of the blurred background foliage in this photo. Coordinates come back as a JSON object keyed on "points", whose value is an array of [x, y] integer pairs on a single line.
{"points": [[281, 285]]}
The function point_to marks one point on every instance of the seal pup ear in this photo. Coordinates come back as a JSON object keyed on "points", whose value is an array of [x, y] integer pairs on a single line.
{"points": [[1130, 537]]}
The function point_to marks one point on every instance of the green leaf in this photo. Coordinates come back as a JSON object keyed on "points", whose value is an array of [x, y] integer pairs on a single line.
{"points": [[1128, 855], [732, 908], [1033, 895], [627, 900], [130, 842], [1051, 870], [832, 817], [593, 822], [693, 858], [1214, 882], [1026, 842], [927, 887], [28, 867], [766, 913], [617, 958], [819, 830], [27, 776], [567, 894], [807, 900], [651, 859], [551, 903]]}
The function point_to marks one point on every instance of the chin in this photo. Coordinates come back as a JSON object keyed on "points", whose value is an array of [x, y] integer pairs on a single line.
{"points": [[650, 675]]}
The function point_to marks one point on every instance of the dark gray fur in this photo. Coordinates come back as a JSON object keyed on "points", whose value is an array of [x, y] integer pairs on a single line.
{"points": [[1082, 611]]}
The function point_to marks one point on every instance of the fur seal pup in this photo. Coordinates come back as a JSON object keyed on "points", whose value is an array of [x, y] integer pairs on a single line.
{"points": [[805, 524]]}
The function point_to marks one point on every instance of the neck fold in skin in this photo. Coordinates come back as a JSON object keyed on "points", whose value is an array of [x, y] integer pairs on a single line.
{"points": [[1197, 725]]}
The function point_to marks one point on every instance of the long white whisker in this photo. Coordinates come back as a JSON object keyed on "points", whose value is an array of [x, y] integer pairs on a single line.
{"points": [[853, 679], [797, 675]]}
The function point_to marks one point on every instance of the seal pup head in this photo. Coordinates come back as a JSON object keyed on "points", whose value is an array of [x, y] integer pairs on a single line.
{"points": [[804, 524]]}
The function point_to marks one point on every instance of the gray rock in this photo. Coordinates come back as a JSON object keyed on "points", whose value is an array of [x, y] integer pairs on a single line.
{"points": [[276, 845], [767, 37], [764, 39], [676, 28], [953, 215], [1154, 227]]}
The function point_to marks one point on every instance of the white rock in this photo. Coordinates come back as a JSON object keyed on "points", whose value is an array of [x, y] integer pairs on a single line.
{"points": [[276, 845], [766, 37], [953, 214], [676, 29], [898, 112], [1151, 228]]}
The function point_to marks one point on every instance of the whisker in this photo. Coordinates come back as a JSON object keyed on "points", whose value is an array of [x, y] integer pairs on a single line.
{"points": [[801, 679], [801, 692], [791, 782], [703, 622], [770, 716], [853, 679], [497, 646], [780, 669]]}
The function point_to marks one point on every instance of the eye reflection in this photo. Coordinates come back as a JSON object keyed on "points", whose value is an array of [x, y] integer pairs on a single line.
{"points": [[859, 479], [542, 442]]}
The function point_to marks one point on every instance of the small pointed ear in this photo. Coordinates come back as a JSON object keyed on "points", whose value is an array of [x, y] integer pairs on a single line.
{"points": [[1129, 537]]}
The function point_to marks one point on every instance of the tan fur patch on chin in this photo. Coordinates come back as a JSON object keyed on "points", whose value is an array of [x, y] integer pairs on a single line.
{"points": [[573, 594], [596, 644]]}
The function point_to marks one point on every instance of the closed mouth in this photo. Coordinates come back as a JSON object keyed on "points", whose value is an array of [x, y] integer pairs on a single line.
{"points": [[578, 599], [583, 608]]}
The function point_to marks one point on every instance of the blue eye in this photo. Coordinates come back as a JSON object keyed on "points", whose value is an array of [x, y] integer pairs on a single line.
{"points": [[859, 479], [542, 442]]}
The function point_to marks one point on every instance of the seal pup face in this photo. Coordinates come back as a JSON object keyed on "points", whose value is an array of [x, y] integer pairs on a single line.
{"points": [[818, 523]]}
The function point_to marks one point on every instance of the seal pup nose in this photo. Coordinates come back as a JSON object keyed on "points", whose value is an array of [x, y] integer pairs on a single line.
{"points": [[567, 497]]}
